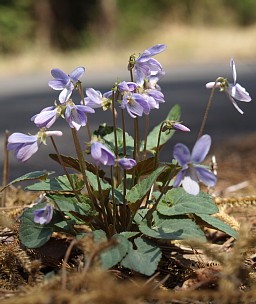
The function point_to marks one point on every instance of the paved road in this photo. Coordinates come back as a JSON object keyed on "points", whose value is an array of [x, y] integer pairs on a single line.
{"points": [[22, 97]]}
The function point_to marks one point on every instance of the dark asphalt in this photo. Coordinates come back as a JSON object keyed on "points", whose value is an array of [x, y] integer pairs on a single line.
{"points": [[22, 97]]}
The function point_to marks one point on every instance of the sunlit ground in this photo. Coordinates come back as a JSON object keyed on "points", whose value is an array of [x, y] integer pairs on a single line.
{"points": [[185, 45]]}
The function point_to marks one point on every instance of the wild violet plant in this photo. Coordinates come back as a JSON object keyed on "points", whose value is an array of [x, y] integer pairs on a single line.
{"points": [[126, 195]]}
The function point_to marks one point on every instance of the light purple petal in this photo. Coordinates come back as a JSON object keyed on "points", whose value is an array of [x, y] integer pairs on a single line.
{"points": [[65, 94], [85, 109], [182, 154], [179, 177], [45, 118], [235, 104], [127, 163], [156, 49], [180, 127], [211, 84], [206, 176], [77, 74], [26, 151], [22, 138], [201, 149], [44, 215], [233, 67], [57, 84], [239, 93], [60, 75]]}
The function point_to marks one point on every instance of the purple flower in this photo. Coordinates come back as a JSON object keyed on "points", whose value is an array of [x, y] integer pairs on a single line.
{"points": [[152, 80], [75, 115], [126, 86], [47, 117], [101, 154], [155, 97], [145, 65], [25, 146], [234, 90], [180, 127], [136, 104], [95, 99], [44, 215], [127, 163], [192, 172], [65, 83]]}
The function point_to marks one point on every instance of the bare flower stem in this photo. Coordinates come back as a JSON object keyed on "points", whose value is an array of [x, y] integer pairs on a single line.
{"points": [[5, 169], [200, 133]]}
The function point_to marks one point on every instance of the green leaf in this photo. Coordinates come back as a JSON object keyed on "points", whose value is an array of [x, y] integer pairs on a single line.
{"points": [[172, 228], [58, 184], [152, 138], [75, 209], [41, 175], [144, 259], [141, 189], [113, 255], [33, 235], [110, 141], [178, 201], [92, 179], [217, 224]]}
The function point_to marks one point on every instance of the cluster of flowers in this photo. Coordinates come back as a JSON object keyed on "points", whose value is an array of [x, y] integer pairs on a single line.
{"points": [[137, 97]]}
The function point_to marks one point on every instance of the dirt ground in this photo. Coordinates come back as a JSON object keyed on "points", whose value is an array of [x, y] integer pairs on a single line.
{"points": [[236, 167]]}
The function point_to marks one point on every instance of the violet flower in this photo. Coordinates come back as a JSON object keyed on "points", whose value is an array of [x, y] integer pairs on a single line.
{"points": [[95, 99], [25, 146], [234, 90], [127, 86], [75, 115], [136, 104], [47, 117], [180, 127], [101, 154], [44, 215], [192, 172], [127, 163], [145, 65], [65, 83]]}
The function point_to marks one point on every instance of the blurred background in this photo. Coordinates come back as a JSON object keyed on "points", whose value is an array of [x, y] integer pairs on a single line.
{"points": [[201, 36]]}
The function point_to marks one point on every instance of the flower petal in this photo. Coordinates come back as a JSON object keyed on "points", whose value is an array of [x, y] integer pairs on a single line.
{"points": [[190, 185], [59, 74], [26, 151], [233, 67], [179, 177], [77, 73], [182, 154], [201, 149], [206, 176], [239, 93]]}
